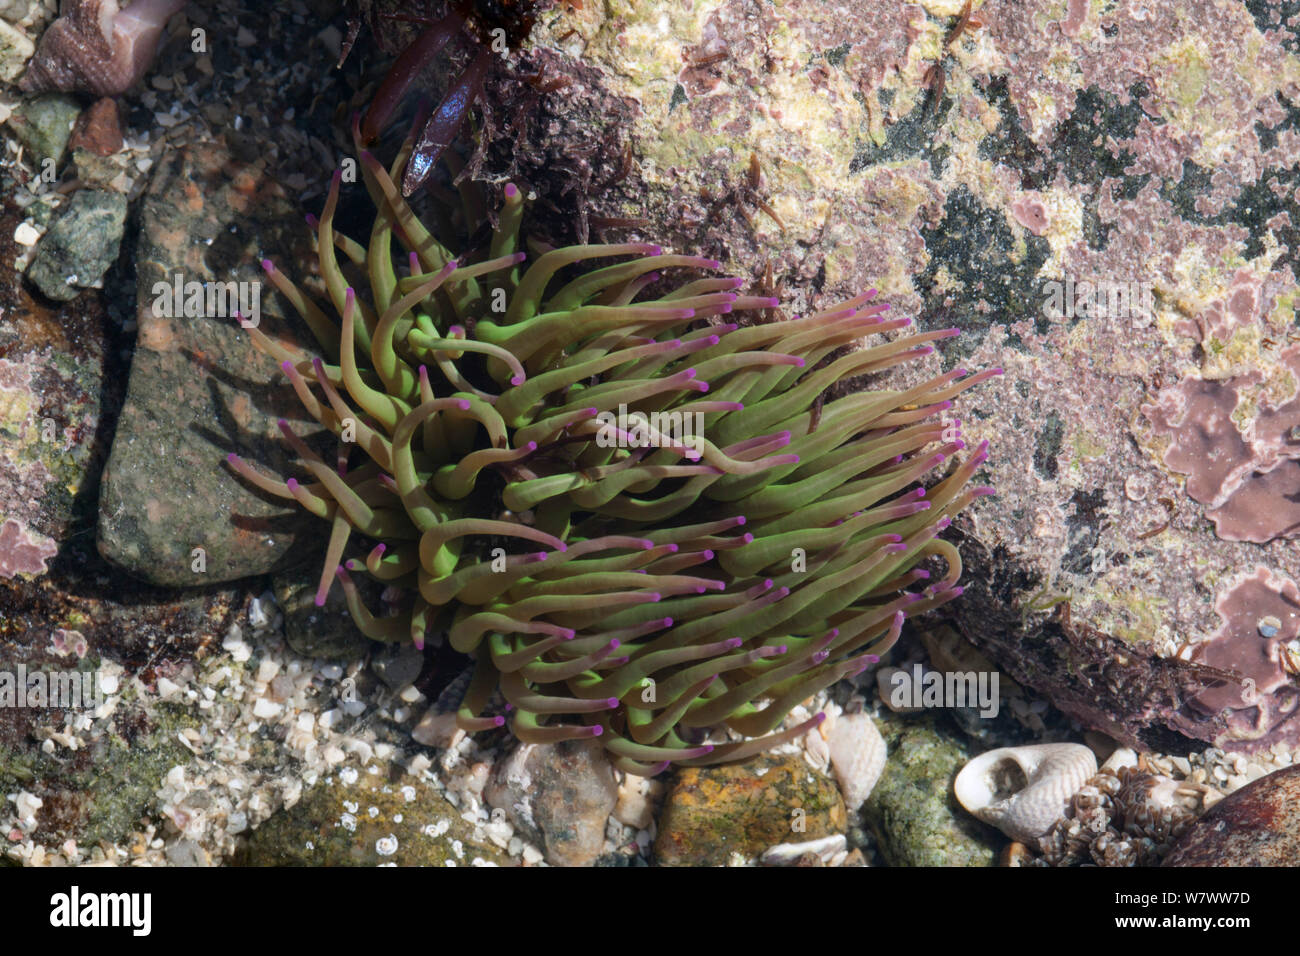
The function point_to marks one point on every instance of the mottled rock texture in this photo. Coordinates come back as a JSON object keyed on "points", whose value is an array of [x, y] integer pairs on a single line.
{"points": [[710, 813], [81, 245], [912, 809], [559, 796], [199, 389], [360, 818]]}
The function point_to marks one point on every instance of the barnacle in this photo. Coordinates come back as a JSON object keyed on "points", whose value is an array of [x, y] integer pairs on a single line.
{"points": [[616, 577]]}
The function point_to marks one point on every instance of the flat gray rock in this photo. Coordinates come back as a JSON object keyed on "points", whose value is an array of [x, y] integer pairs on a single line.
{"points": [[200, 390]]}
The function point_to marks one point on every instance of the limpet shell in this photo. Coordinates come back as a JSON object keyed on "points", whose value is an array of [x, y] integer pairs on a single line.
{"points": [[1023, 791]]}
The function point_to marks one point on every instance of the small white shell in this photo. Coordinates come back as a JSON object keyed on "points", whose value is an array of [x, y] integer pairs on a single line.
{"points": [[1023, 791], [1120, 757], [783, 854], [857, 756]]}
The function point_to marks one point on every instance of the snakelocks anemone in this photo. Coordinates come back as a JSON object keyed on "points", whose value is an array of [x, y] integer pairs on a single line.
{"points": [[630, 575]]}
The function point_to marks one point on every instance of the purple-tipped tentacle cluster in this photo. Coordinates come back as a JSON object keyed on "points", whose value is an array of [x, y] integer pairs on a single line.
{"points": [[643, 581]]}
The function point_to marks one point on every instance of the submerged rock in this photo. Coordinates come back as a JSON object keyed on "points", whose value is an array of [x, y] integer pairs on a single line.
{"points": [[81, 245], [359, 818], [560, 796], [913, 811], [711, 813], [44, 125], [1083, 229], [52, 400], [171, 511], [327, 632], [1258, 825]]}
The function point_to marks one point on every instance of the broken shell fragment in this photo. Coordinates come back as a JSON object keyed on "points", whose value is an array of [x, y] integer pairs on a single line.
{"points": [[1023, 791], [786, 854]]}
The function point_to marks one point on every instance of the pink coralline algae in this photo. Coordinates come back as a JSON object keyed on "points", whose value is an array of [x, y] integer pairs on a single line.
{"points": [[1258, 643], [1223, 317], [1247, 476], [20, 553], [1031, 213], [97, 47]]}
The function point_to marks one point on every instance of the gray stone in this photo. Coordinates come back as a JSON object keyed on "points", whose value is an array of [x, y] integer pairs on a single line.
{"points": [[398, 665], [44, 125], [81, 245], [199, 390], [559, 796], [404, 821], [327, 632]]}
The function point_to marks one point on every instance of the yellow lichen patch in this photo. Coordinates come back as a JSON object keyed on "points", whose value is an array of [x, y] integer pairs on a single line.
{"points": [[1280, 387], [1283, 314], [1198, 96], [804, 131], [1085, 447], [642, 45], [946, 8], [19, 419], [1133, 615], [1181, 76]]}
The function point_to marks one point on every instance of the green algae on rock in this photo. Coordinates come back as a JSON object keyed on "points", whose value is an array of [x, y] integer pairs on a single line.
{"points": [[360, 818], [81, 245], [712, 813], [912, 809]]}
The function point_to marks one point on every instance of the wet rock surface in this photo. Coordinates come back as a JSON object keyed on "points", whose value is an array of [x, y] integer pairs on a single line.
{"points": [[327, 632], [51, 404], [81, 245], [199, 390], [44, 125], [360, 818], [710, 813], [559, 796], [1259, 825], [912, 810]]}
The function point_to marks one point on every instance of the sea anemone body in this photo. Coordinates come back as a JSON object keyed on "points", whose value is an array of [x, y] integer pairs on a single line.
{"points": [[673, 594]]}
